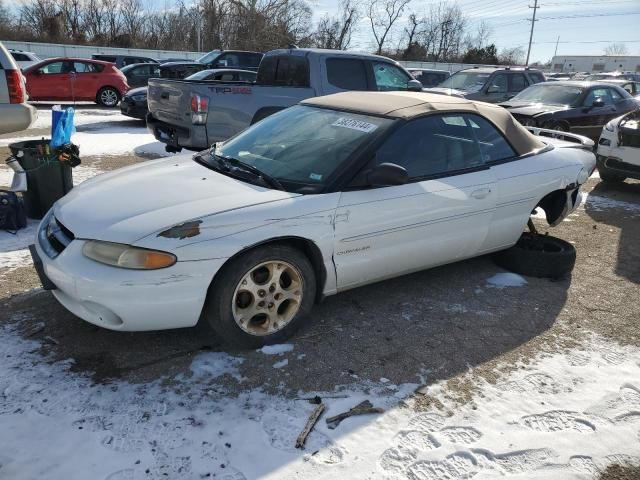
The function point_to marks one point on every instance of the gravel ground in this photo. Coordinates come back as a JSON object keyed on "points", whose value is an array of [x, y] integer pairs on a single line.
{"points": [[446, 324]]}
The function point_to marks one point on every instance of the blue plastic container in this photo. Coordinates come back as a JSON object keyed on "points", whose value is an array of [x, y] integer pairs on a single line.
{"points": [[61, 127]]}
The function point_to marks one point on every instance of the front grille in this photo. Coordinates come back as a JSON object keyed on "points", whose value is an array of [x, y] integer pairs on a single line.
{"points": [[615, 164], [54, 237], [630, 139]]}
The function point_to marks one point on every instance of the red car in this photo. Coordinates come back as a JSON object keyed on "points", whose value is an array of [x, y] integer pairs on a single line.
{"points": [[76, 79]]}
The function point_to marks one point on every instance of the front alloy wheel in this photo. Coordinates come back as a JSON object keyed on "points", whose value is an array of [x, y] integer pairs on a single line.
{"points": [[261, 297], [267, 298]]}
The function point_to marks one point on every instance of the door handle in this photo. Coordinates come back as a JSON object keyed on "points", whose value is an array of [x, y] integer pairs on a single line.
{"points": [[480, 193]]}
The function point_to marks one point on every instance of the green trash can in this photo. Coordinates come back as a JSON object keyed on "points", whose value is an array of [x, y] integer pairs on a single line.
{"points": [[48, 179]]}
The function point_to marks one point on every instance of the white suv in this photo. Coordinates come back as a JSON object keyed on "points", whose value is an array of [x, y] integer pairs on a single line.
{"points": [[15, 114], [24, 59]]}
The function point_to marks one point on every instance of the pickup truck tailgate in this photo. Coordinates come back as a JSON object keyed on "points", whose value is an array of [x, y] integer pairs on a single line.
{"points": [[170, 102]]}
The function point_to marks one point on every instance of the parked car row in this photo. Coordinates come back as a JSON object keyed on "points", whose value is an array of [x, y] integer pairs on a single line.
{"points": [[105, 79]]}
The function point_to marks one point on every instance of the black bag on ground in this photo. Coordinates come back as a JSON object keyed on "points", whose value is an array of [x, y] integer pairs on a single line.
{"points": [[12, 213]]}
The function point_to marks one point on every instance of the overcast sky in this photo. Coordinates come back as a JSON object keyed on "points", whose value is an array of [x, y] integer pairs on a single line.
{"points": [[608, 21]]}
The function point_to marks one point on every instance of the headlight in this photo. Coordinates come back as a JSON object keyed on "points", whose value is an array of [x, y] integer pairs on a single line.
{"points": [[139, 98], [610, 126], [126, 256]]}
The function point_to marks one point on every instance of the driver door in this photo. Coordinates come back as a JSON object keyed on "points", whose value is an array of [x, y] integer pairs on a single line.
{"points": [[441, 215], [53, 82]]}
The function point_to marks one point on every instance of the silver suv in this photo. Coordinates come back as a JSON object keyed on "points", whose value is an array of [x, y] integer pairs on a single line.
{"points": [[489, 84], [15, 114]]}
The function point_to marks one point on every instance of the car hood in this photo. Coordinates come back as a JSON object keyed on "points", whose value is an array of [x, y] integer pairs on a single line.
{"points": [[130, 203], [531, 109], [446, 91], [135, 91]]}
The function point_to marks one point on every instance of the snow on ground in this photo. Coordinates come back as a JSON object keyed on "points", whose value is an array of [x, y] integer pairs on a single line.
{"points": [[82, 116], [110, 141], [277, 349], [506, 279], [563, 416], [599, 203]]}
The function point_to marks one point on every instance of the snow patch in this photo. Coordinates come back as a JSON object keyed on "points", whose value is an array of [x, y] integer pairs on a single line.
{"points": [[281, 364], [276, 349], [599, 203], [212, 365], [506, 279]]}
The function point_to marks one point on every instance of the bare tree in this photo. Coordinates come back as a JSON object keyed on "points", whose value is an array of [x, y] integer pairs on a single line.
{"points": [[336, 32], [511, 56], [616, 49], [383, 14]]}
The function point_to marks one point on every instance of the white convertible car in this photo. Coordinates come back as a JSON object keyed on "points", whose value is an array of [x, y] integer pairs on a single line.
{"points": [[334, 193]]}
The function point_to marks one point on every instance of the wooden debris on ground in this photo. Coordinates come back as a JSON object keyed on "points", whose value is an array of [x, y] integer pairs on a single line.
{"points": [[363, 408], [313, 419]]}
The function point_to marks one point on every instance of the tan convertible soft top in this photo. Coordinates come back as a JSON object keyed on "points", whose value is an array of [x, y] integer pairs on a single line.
{"points": [[414, 104]]}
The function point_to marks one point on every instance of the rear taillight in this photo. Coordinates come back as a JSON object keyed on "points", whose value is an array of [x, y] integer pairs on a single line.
{"points": [[199, 109], [15, 86]]}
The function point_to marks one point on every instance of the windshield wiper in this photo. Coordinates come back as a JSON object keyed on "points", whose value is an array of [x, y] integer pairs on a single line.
{"points": [[224, 163]]}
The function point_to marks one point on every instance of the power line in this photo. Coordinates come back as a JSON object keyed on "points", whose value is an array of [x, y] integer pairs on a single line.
{"points": [[590, 16]]}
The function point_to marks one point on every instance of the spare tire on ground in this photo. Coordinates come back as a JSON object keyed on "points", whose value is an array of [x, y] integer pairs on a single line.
{"points": [[537, 255]]}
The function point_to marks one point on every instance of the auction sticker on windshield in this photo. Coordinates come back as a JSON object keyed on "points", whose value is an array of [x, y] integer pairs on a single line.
{"points": [[354, 124]]}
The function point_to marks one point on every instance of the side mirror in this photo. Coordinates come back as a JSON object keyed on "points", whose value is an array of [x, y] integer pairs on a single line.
{"points": [[387, 174], [221, 63], [493, 89], [414, 85]]}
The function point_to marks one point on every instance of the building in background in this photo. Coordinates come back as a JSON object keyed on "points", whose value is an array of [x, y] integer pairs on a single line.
{"points": [[595, 63]]}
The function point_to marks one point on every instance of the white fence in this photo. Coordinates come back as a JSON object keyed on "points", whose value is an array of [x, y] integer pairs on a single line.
{"points": [[48, 50], [449, 67]]}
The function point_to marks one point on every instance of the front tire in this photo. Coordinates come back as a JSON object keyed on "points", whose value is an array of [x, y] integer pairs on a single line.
{"points": [[537, 255], [108, 97], [261, 297]]}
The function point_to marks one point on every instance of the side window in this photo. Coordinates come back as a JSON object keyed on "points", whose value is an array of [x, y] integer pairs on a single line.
{"points": [[19, 57], [51, 68], [601, 93], [267, 70], [81, 67], [156, 71], [292, 71], [233, 60], [536, 77], [615, 96], [436, 145], [347, 73], [493, 145], [498, 84], [517, 82], [248, 60], [389, 77]]}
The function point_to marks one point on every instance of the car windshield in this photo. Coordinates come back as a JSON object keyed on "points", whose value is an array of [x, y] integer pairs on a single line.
{"points": [[301, 146], [209, 57], [468, 81], [128, 68], [549, 94]]}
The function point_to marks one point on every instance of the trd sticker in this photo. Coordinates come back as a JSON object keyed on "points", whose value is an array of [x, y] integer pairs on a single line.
{"points": [[353, 124], [232, 90]]}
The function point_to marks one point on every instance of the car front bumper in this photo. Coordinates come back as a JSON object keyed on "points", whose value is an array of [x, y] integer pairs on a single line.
{"points": [[620, 160], [133, 109], [125, 299]]}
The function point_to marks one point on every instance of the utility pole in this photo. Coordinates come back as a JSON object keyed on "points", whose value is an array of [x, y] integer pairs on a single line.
{"points": [[557, 42], [533, 22]]}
